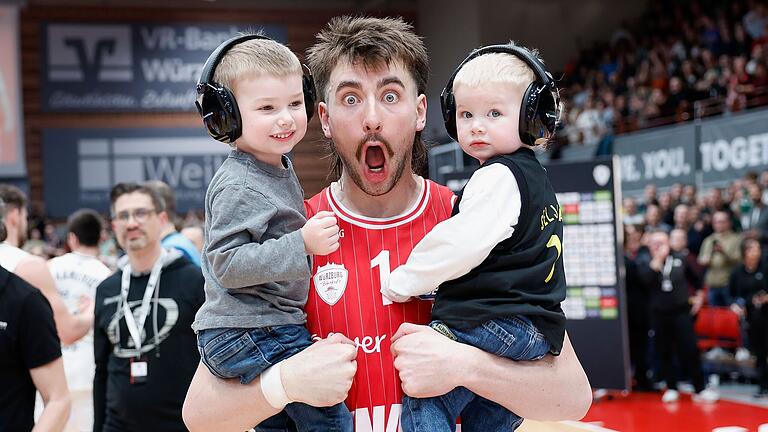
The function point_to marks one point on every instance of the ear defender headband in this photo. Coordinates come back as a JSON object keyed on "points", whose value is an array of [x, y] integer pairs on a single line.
{"points": [[540, 107], [216, 103]]}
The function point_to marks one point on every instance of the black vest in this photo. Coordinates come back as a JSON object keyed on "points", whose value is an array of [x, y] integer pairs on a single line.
{"points": [[523, 275]]}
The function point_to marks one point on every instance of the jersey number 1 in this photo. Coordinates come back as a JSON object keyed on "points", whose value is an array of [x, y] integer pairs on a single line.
{"points": [[382, 260]]}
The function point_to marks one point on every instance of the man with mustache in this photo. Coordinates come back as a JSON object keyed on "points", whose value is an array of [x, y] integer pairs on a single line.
{"points": [[371, 78], [144, 347]]}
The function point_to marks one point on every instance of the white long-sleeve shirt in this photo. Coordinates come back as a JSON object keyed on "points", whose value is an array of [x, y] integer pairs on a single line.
{"points": [[489, 210]]}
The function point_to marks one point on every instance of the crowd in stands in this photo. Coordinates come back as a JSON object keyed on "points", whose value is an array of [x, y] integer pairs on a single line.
{"points": [[46, 238], [721, 235], [679, 60]]}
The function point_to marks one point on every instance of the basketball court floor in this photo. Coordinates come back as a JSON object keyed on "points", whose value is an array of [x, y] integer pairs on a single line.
{"points": [[737, 411]]}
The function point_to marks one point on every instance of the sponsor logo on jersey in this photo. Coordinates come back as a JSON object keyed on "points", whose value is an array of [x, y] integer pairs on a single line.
{"points": [[330, 282], [379, 422]]}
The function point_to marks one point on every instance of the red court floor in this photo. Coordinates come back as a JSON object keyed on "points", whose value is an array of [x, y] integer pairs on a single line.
{"points": [[645, 412]]}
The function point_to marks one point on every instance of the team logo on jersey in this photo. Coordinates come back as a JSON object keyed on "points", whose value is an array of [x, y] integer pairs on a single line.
{"points": [[330, 282]]}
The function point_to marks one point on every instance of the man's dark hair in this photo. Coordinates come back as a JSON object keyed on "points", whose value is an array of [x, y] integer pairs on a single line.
{"points": [[86, 225], [12, 196], [370, 42], [3, 231], [169, 197], [121, 189]]}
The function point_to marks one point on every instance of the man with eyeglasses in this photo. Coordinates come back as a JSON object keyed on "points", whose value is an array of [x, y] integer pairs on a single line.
{"points": [[144, 347]]}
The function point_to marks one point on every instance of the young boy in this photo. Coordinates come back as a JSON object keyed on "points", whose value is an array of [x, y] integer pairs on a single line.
{"points": [[496, 260], [258, 243]]}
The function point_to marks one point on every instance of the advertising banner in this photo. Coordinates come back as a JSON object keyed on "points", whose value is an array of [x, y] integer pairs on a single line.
{"points": [[80, 166], [129, 67]]}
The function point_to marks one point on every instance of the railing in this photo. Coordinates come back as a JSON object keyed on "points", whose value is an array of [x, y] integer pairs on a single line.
{"points": [[699, 109]]}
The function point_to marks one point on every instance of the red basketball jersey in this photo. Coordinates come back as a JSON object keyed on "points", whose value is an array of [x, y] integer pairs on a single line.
{"points": [[344, 296]]}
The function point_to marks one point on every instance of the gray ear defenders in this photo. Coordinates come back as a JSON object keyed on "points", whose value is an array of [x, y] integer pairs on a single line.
{"points": [[540, 107], [216, 103]]}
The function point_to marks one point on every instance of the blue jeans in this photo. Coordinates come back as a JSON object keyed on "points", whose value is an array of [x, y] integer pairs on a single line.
{"points": [[719, 296], [246, 353], [515, 338]]}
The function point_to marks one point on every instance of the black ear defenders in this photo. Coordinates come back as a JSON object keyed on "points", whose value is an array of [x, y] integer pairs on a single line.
{"points": [[540, 107], [216, 103]]}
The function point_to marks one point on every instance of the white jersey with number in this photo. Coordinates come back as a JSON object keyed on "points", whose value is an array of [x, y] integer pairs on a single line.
{"points": [[78, 275]]}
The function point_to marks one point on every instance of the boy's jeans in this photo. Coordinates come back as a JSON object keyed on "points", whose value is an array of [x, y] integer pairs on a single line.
{"points": [[515, 338], [246, 353]]}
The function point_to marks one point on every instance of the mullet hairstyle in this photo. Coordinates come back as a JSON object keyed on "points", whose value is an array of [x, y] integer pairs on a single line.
{"points": [[372, 43]]}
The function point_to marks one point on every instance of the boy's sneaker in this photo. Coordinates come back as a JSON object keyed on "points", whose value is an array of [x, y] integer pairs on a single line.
{"points": [[707, 395], [742, 354], [670, 396]]}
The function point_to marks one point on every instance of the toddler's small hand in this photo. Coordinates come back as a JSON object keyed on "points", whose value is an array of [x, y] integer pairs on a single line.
{"points": [[321, 234]]}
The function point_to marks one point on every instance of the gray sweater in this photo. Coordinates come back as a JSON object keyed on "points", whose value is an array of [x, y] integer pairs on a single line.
{"points": [[255, 267]]}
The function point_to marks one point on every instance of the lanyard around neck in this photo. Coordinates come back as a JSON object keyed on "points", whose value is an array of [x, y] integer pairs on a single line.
{"points": [[667, 270], [134, 328]]}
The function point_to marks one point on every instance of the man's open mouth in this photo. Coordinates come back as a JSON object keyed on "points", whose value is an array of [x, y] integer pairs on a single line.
{"points": [[375, 158]]}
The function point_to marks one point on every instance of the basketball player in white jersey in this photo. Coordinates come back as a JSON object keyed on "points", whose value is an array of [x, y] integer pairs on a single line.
{"points": [[371, 77], [34, 270], [77, 274]]}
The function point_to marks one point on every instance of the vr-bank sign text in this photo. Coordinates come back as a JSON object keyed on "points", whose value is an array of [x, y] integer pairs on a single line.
{"points": [[129, 67]]}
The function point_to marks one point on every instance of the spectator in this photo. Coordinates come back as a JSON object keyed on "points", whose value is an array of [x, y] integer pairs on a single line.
{"points": [[698, 231], [77, 274], [683, 222], [653, 220], [715, 202], [756, 20], [688, 195], [34, 270], [631, 216], [52, 238], [749, 287], [694, 53], [638, 308], [144, 364], [720, 253], [35, 244], [195, 235], [30, 357], [755, 222], [649, 197], [171, 238], [667, 209], [108, 249], [667, 277], [589, 124]]}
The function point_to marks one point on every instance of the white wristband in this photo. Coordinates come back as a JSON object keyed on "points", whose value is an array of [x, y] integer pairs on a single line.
{"points": [[272, 387]]}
